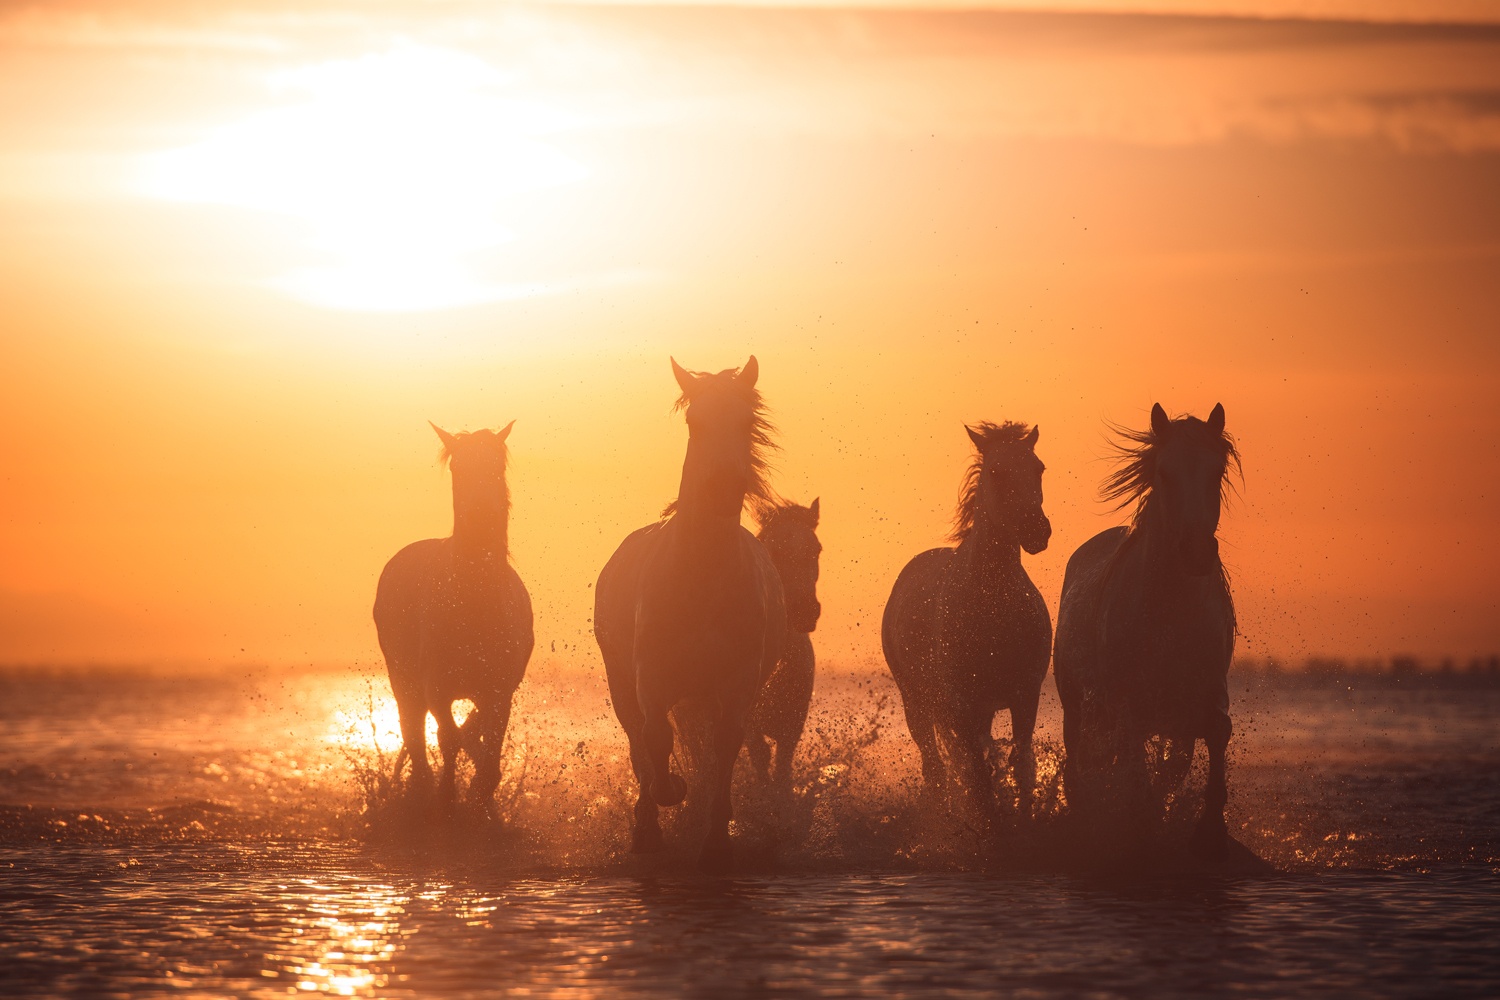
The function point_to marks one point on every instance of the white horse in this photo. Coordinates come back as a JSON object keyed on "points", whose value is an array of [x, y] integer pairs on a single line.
{"points": [[691, 608], [1145, 631], [454, 622]]}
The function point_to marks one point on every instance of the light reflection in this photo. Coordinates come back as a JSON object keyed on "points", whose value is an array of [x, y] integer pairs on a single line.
{"points": [[352, 956], [378, 728], [402, 166]]}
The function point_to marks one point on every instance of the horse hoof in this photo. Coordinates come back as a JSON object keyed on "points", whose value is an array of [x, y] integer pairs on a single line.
{"points": [[669, 793], [717, 856], [645, 840], [1211, 841]]}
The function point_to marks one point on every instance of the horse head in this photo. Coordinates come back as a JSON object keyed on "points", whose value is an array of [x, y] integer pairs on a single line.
{"points": [[1005, 485], [477, 462], [789, 533], [1189, 463], [727, 437]]}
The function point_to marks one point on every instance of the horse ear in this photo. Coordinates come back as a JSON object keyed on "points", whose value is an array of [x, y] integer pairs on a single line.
{"points": [[504, 432], [1030, 439], [749, 373], [813, 507], [448, 439], [1160, 424], [684, 377], [1216, 420], [976, 437]]}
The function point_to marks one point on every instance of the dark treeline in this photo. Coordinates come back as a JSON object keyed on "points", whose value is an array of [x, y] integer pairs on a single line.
{"points": [[1395, 671]]}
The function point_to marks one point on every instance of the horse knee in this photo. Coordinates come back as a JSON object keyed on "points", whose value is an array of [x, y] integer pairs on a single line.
{"points": [[1217, 731]]}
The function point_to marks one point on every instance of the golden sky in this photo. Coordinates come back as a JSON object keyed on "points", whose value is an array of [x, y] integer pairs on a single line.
{"points": [[246, 255]]}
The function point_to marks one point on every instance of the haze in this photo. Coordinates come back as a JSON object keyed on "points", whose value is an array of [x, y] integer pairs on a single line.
{"points": [[246, 255]]}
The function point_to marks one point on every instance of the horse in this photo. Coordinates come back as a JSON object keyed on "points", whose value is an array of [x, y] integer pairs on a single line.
{"points": [[691, 608], [454, 622], [1146, 627], [789, 533], [965, 631]]}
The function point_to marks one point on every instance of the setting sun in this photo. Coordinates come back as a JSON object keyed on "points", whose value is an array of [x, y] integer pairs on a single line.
{"points": [[400, 169], [788, 497]]}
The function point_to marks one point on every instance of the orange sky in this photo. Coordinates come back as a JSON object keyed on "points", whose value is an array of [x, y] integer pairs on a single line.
{"points": [[234, 286]]}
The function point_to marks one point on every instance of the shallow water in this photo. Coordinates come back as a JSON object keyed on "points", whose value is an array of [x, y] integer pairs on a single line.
{"points": [[185, 835]]}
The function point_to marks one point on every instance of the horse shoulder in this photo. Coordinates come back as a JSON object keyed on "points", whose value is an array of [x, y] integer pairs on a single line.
{"points": [[617, 587], [908, 625], [405, 576], [1076, 645], [772, 597]]}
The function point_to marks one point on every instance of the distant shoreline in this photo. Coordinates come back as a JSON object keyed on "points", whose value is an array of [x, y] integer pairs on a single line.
{"points": [[1395, 672]]}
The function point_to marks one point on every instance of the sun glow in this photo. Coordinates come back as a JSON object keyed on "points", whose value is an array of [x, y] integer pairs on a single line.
{"points": [[404, 170]]}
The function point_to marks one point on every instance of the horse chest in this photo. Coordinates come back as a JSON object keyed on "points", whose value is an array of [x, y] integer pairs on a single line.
{"points": [[471, 615], [1170, 655], [993, 631]]}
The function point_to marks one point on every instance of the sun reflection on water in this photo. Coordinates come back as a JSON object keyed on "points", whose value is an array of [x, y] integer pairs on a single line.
{"points": [[378, 726], [343, 947]]}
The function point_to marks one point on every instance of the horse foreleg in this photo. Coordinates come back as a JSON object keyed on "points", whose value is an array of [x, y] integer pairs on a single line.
{"points": [[924, 734], [449, 741], [1022, 754], [1211, 837], [667, 789], [790, 734], [413, 714], [758, 748], [492, 718], [1172, 771], [970, 745], [729, 735]]}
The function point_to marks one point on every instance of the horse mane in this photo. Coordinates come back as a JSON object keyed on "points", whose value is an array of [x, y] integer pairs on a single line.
{"points": [[759, 494], [969, 502], [1137, 453]]}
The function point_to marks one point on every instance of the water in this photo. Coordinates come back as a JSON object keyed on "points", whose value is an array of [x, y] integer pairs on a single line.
{"points": [[182, 835]]}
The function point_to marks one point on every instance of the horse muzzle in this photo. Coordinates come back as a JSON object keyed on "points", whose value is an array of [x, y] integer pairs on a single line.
{"points": [[804, 617], [1036, 534]]}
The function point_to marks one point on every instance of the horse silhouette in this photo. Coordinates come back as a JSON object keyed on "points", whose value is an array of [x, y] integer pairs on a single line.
{"points": [[789, 533], [454, 622], [1146, 628], [966, 633], [691, 608]]}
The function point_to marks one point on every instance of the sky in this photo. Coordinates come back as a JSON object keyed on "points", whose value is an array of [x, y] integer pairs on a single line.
{"points": [[247, 254]]}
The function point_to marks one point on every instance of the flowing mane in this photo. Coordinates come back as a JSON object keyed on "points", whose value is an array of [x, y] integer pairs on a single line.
{"points": [[969, 502], [759, 495], [1137, 452]]}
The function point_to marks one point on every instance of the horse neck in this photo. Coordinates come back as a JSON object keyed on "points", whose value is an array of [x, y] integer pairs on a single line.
{"points": [[479, 532], [991, 547], [1149, 537], [705, 532]]}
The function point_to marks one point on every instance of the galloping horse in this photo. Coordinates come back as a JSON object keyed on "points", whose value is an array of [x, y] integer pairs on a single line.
{"points": [[454, 621], [692, 608], [965, 631], [789, 533], [1146, 627]]}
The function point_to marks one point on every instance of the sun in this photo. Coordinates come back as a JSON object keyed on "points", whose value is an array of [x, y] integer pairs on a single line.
{"points": [[399, 167]]}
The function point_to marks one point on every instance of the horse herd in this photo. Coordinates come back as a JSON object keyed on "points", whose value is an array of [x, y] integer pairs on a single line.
{"points": [[698, 619]]}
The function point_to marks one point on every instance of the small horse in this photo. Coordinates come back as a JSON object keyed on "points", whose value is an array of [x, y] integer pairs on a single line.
{"points": [[454, 621], [691, 608], [966, 633], [1146, 628], [789, 533]]}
